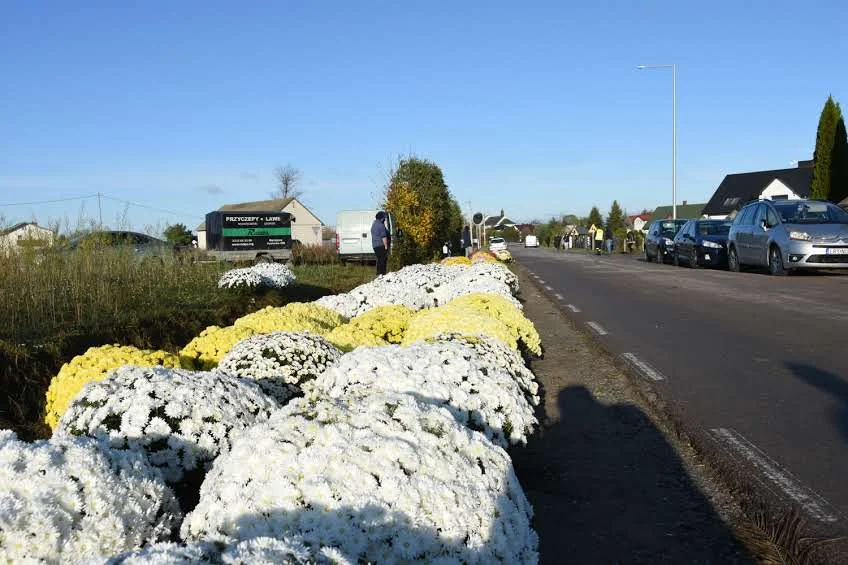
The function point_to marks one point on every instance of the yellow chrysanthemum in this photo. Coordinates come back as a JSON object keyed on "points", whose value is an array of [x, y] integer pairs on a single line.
{"points": [[206, 350], [294, 317], [347, 338], [463, 321], [385, 322], [464, 261], [94, 365], [505, 311]]}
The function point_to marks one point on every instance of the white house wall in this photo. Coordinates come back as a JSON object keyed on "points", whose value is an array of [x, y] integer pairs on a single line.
{"points": [[26, 232], [306, 228], [777, 188]]}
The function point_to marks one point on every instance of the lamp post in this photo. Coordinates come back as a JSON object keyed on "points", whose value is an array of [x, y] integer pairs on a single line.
{"points": [[673, 68]]}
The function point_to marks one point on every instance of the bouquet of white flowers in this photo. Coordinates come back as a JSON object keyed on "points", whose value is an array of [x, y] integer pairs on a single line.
{"points": [[69, 501], [179, 420], [386, 479], [443, 373], [280, 362]]}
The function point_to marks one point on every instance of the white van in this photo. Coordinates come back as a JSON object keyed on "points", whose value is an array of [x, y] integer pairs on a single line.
{"points": [[353, 234], [531, 241]]}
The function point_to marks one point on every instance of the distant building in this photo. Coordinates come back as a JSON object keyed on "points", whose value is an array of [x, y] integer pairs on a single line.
{"points": [[639, 222], [498, 222], [306, 227], [25, 235], [736, 190]]}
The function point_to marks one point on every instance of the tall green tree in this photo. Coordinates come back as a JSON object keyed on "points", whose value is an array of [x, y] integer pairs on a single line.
{"points": [[615, 218], [178, 234], [594, 217], [820, 185], [839, 164], [424, 208]]}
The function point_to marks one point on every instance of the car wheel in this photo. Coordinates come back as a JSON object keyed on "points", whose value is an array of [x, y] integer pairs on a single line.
{"points": [[776, 267], [675, 259], [732, 260], [693, 260], [647, 257], [263, 259]]}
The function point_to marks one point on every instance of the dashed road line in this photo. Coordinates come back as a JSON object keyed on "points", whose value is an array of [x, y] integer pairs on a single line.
{"points": [[559, 296], [644, 367], [783, 480], [542, 281], [548, 287], [597, 327], [573, 308]]}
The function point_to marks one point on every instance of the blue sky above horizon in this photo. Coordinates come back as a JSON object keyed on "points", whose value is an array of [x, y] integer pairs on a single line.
{"points": [[536, 108]]}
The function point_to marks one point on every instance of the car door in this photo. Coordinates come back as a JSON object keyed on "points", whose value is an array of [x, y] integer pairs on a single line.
{"points": [[683, 240], [651, 242], [743, 234], [759, 237]]}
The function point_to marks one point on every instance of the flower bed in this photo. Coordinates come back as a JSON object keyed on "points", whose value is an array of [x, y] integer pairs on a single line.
{"points": [[394, 454], [270, 275]]}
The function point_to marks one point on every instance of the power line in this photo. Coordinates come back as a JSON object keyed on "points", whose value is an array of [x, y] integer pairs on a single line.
{"points": [[48, 201], [149, 207]]}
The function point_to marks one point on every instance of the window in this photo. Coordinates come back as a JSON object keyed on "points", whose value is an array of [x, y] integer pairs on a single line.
{"points": [[746, 216], [780, 197], [772, 218], [731, 202], [761, 215]]}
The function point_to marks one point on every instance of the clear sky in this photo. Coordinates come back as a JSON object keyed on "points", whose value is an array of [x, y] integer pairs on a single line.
{"points": [[536, 108]]}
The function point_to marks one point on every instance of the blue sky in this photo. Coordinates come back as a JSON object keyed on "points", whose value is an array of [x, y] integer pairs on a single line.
{"points": [[536, 108]]}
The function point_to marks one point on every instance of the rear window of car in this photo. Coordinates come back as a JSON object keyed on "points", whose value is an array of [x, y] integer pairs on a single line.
{"points": [[497, 240], [670, 227]]}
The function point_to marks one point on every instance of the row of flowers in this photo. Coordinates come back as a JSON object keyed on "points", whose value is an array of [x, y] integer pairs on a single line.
{"points": [[366, 427]]}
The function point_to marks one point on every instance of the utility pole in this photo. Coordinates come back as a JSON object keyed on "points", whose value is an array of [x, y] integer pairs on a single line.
{"points": [[99, 213]]}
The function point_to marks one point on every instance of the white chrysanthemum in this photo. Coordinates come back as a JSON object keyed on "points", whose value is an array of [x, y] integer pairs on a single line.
{"points": [[280, 362], [66, 500], [444, 294], [489, 271], [493, 354], [180, 420], [384, 479], [443, 373], [271, 275]]}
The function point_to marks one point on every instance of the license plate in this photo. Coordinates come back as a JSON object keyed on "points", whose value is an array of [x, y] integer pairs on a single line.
{"points": [[837, 251]]}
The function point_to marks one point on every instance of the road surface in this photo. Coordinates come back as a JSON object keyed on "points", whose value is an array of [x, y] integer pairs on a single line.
{"points": [[759, 364]]}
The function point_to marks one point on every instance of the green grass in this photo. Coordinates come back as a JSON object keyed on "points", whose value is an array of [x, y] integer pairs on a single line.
{"points": [[54, 306]]}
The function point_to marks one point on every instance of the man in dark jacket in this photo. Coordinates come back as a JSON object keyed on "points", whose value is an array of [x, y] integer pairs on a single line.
{"points": [[466, 241], [380, 242]]}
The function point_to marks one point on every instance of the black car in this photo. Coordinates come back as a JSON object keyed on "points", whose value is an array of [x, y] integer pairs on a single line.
{"points": [[702, 243], [659, 243]]}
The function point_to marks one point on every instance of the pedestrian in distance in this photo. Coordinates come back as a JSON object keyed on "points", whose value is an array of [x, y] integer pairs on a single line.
{"points": [[609, 245], [466, 241], [599, 240], [380, 242]]}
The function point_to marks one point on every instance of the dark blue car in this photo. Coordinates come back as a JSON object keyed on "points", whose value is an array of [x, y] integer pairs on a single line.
{"points": [[702, 243]]}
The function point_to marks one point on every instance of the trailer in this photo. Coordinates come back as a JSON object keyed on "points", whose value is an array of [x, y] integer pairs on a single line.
{"points": [[260, 237]]}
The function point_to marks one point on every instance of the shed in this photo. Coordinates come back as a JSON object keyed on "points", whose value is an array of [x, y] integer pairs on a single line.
{"points": [[25, 235]]}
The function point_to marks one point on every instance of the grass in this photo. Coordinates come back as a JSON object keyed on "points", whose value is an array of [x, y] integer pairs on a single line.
{"points": [[54, 306]]}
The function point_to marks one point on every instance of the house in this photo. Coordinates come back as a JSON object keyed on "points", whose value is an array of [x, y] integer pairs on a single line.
{"points": [[25, 235], [306, 227], [736, 190], [639, 222], [685, 211], [498, 222]]}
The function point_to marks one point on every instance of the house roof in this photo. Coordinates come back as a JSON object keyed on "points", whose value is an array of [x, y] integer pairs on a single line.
{"points": [[684, 212], [19, 225], [273, 205], [500, 220], [738, 189]]}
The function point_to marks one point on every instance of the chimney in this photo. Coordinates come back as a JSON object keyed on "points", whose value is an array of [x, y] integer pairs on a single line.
{"points": [[684, 203], [805, 164]]}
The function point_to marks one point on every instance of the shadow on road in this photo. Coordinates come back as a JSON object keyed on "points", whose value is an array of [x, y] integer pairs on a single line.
{"points": [[830, 383], [608, 488]]}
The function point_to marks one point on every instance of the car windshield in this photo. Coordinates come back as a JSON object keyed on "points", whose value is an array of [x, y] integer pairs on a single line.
{"points": [[671, 227], [714, 228], [811, 212], [497, 240]]}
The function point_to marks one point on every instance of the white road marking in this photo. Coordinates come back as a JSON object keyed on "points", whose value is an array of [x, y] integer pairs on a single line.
{"points": [[573, 308], [560, 297], [647, 369], [597, 327], [548, 287], [542, 281], [812, 503]]}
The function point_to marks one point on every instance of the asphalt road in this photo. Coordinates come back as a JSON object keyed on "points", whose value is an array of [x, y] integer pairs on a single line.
{"points": [[758, 363]]}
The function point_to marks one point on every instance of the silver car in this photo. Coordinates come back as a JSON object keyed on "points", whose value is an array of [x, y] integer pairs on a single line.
{"points": [[785, 235]]}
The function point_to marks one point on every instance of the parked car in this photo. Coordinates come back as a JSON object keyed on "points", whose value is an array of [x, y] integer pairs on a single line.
{"points": [[659, 243], [702, 243], [497, 244], [141, 245], [785, 235], [531, 241]]}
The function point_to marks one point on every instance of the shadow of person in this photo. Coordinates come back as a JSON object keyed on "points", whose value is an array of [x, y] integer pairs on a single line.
{"points": [[832, 384], [606, 487]]}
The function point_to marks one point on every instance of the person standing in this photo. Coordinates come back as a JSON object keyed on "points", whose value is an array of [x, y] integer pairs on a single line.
{"points": [[599, 240], [466, 241], [380, 242]]}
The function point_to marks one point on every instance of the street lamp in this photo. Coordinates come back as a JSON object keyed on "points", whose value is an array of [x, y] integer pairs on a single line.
{"points": [[673, 68]]}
